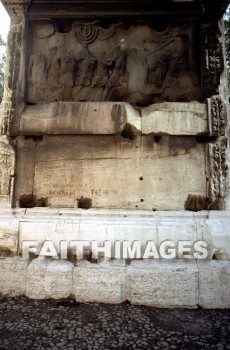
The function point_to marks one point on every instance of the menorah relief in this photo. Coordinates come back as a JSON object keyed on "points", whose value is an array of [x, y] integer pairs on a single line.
{"points": [[86, 34], [92, 63]]}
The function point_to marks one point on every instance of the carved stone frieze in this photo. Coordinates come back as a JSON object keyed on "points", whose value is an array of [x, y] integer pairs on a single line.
{"points": [[217, 116], [132, 63], [6, 168], [212, 61], [208, 9], [16, 9], [219, 180], [12, 98]]}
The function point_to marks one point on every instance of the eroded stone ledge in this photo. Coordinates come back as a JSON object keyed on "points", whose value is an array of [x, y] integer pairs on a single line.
{"points": [[102, 118], [107, 118], [175, 118], [78, 118]]}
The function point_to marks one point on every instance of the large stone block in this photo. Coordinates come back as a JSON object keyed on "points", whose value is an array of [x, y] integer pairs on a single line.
{"points": [[121, 225], [103, 282], [70, 118], [217, 234], [9, 230], [175, 118], [49, 279], [213, 228], [156, 283], [214, 284], [69, 229], [163, 284], [78, 118], [178, 228], [25, 167], [13, 276], [112, 172]]}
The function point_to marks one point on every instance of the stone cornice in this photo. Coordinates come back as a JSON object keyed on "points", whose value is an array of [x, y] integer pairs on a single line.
{"points": [[112, 8], [16, 9], [214, 9], [208, 9]]}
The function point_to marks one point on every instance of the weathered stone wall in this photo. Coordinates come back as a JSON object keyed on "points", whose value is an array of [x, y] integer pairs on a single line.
{"points": [[142, 173], [119, 107], [119, 97]]}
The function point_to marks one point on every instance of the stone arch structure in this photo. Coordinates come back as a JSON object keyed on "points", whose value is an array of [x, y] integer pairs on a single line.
{"points": [[115, 118]]}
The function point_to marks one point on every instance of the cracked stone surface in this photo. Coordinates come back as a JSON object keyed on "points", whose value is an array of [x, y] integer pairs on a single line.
{"points": [[65, 324]]}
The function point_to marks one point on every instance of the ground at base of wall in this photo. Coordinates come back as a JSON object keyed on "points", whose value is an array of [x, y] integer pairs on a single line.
{"points": [[66, 324]]}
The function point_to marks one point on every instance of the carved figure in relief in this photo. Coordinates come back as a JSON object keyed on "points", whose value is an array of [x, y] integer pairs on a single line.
{"points": [[37, 76], [86, 63], [53, 67], [53, 89], [6, 169], [158, 62], [172, 62], [94, 74], [117, 77], [68, 69], [158, 76], [38, 68], [101, 77], [179, 57]]}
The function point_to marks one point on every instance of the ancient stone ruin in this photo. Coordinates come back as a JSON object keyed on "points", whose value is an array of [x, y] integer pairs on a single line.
{"points": [[114, 127]]}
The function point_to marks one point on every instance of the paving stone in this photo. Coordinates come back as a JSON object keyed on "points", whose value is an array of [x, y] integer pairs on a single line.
{"points": [[39, 325]]}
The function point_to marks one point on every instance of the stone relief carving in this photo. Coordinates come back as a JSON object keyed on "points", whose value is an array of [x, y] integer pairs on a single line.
{"points": [[6, 168], [212, 58], [219, 182], [38, 71], [16, 9], [136, 65], [217, 116], [10, 101], [86, 33]]}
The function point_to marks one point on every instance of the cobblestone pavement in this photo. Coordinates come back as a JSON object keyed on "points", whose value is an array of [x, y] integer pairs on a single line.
{"points": [[47, 324]]}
